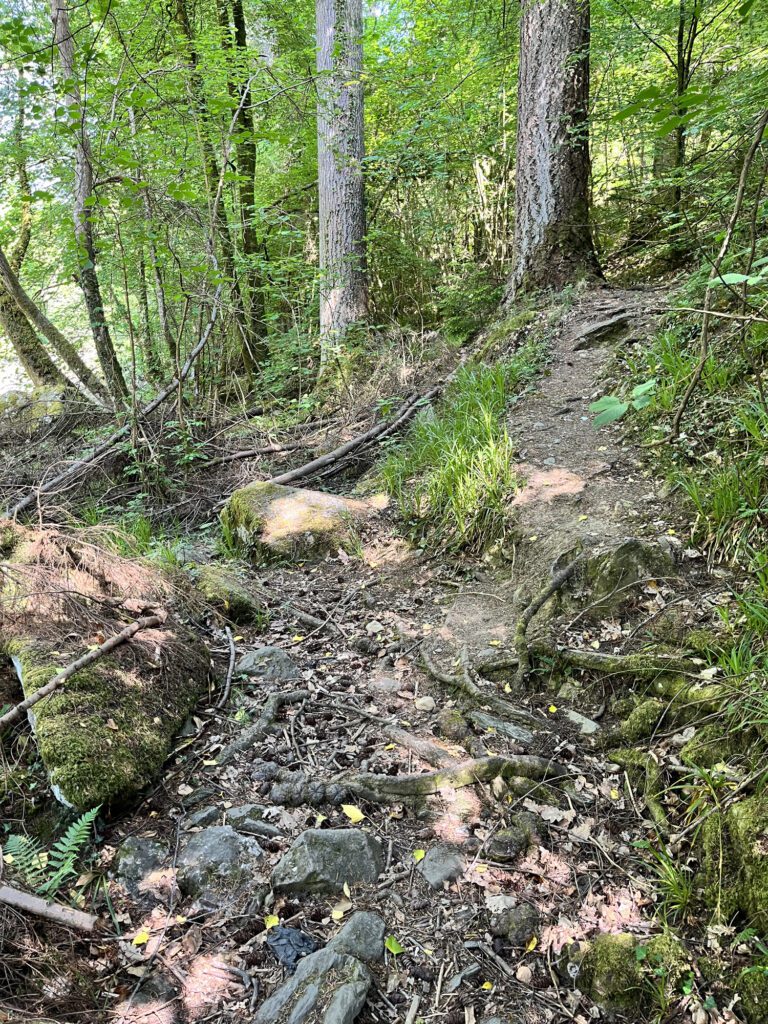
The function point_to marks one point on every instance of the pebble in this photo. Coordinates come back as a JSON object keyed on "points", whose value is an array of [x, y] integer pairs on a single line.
{"points": [[424, 704]]}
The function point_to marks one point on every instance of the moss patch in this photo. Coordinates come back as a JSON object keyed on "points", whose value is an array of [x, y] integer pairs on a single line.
{"points": [[752, 988], [225, 589], [612, 974]]}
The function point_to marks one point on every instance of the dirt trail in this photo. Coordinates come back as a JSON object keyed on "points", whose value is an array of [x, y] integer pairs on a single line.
{"points": [[489, 941]]}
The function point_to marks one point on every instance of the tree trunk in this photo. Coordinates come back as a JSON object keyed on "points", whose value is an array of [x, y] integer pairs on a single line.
{"points": [[37, 364], [40, 321], [552, 240], [340, 152], [89, 281]]}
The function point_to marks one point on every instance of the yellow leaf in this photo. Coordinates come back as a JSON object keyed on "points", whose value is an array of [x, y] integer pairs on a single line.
{"points": [[8, 858], [532, 944], [481, 869], [297, 639], [390, 746], [210, 764], [345, 889], [180, 919], [615, 794], [507, 688], [320, 819], [494, 643], [583, 518], [354, 814], [340, 909], [552, 709], [236, 638], [595, 644], [419, 855], [487, 986], [534, 537], [271, 921], [141, 938], [429, 952]]}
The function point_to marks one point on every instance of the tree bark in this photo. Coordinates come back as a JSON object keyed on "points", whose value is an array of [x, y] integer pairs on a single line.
{"points": [[40, 321], [552, 240], [36, 362], [340, 153], [82, 211]]}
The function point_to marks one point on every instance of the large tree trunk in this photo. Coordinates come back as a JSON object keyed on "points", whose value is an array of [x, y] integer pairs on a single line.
{"points": [[340, 152], [553, 243], [89, 281]]}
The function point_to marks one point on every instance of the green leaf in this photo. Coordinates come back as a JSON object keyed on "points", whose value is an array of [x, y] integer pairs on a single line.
{"points": [[609, 415], [394, 947]]}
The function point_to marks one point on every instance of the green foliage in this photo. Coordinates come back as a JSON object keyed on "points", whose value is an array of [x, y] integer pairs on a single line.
{"points": [[48, 870], [675, 883], [609, 408], [466, 303], [453, 475]]}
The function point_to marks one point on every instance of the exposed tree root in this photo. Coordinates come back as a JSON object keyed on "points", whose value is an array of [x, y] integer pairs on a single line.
{"points": [[521, 629], [260, 728], [639, 664]]}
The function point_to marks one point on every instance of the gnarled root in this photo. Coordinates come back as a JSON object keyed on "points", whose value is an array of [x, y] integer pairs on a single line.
{"points": [[260, 728]]}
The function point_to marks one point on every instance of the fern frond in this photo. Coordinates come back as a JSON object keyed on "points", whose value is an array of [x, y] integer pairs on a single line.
{"points": [[26, 858], [65, 852]]}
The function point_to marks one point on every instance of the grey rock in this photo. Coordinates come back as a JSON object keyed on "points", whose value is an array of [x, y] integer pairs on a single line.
{"points": [[585, 725], [202, 817], [362, 937], [268, 663], [550, 461], [508, 843], [248, 819], [322, 860], [517, 925], [452, 725], [442, 864], [328, 987], [136, 859], [217, 858], [456, 980]]}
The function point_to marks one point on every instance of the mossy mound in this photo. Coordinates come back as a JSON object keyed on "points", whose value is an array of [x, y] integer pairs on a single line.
{"points": [[624, 973], [108, 730], [610, 575], [751, 986], [270, 520], [734, 850], [223, 587]]}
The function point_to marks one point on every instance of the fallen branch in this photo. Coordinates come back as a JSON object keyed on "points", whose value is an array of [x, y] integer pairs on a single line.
{"points": [[81, 466], [376, 433], [16, 713], [57, 912], [521, 629], [260, 728], [221, 702], [252, 453]]}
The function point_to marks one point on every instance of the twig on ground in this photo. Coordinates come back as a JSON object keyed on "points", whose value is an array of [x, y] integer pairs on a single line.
{"points": [[56, 912], [17, 712], [221, 702]]}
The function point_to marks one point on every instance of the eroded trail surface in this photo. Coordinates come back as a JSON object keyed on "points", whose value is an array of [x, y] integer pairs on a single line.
{"points": [[385, 800]]}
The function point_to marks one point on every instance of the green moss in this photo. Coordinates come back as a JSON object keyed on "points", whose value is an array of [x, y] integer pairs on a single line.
{"points": [[719, 869], [642, 721], [109, 729], [667, 958], [747, 823], [608, 575], [752, 988], [710, 746], [225, 590], [645, 776], [612, 973]]}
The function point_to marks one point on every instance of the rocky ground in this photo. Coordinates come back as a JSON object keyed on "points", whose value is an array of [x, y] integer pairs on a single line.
{"points": [[378, 816]]}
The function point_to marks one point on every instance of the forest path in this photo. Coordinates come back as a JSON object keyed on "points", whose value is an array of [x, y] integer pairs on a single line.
{"points": [[484, 887]]}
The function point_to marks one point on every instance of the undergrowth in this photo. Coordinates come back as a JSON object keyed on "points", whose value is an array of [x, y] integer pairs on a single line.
{"points": [[453, 475]]}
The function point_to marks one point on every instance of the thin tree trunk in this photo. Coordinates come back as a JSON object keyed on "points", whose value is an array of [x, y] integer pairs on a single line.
{"points": [[552, 241], [63, 348], [340, 153], [82, 212], [246, 161], [211, 167]]}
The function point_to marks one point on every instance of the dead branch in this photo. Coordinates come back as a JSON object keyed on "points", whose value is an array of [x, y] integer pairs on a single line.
{"points": [[376, 433], [252, 453], [57, 912], [221, 702], [81, 466], [16, 713]]}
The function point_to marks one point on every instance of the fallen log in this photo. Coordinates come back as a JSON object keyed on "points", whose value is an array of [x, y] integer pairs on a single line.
{"points": [[17, 712]]}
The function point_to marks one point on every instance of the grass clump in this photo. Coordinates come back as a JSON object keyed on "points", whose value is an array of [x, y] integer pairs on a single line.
{"points": [[453, 476]]}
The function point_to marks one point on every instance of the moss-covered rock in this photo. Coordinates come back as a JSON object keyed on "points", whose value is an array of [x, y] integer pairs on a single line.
{"points": [[269, 520], [609, 576], [611, 972], [108, 729], [645, 776], [33, 409], [642, 720], [225, 589], [710, 745], [734, 853]]}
